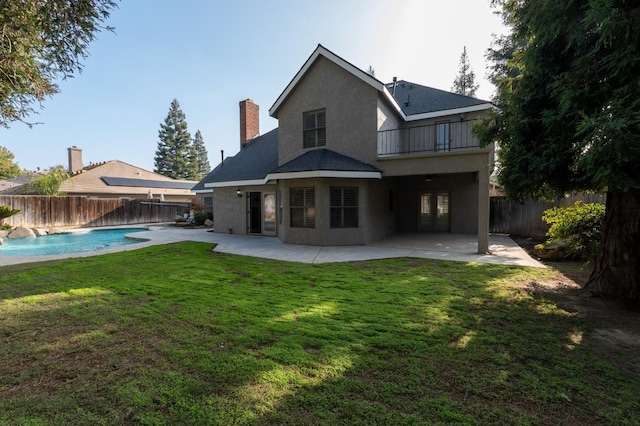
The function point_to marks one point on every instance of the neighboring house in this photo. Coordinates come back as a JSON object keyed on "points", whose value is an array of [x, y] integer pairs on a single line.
{"points": [[116, 179], [9, 186], [354, 160]]}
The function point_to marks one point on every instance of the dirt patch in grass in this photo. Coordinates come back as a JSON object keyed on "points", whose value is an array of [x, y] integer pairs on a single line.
{"points": [[616, 332]]}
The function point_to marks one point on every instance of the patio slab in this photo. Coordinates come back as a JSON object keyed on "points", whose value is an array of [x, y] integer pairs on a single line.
{"points": [[427, 246]]}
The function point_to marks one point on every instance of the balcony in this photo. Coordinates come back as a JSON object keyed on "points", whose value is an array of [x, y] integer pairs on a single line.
{"points": [[439, 137]]}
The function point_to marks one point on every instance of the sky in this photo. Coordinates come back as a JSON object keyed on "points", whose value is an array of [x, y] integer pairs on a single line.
{"points": [[211, 54]]}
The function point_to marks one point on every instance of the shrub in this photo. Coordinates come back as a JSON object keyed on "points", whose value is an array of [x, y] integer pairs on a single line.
{"points": [[200, 216], [47, 184], [580, 225], [7, 211]]}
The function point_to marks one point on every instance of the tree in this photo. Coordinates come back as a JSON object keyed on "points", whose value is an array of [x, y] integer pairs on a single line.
{"points": [[47, 184], [8, 169], [175, 155], [465, 82], [569, 119], [201, 156], [42, 41]]}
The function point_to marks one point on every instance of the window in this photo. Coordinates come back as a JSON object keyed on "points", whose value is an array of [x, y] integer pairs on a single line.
{"points": [[208, 204], [314, 129], [303, 208], [443, 136], [344, 207]]}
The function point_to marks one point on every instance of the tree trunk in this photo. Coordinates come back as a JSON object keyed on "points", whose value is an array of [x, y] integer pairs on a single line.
{"points": [[616, 273]]}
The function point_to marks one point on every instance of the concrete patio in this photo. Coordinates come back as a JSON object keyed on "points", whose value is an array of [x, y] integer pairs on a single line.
{"points": [[426, 246]]}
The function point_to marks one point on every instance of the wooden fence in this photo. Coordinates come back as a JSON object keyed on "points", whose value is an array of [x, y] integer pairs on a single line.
{"points": [[46, 212], [509, 217]]}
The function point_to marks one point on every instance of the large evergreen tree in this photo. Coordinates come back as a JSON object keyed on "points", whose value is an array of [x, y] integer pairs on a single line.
{"points": [[569, 120], [175, 155], [201, 156], [465, 82], [40, 42]]}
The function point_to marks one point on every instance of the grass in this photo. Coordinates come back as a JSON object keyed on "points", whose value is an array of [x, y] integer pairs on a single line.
{"points": [[177, 334]]}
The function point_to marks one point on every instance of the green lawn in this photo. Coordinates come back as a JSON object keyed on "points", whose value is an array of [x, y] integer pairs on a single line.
{"points": [[177, 334]]}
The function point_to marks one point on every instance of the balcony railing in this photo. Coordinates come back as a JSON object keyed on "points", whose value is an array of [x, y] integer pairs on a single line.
{"points": [[439, 137]]}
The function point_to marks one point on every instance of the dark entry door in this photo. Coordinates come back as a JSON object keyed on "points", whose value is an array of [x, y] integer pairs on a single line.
{"points": [[254, 213]]}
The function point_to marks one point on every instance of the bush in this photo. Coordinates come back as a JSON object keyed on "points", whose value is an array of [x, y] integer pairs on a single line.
{"points": [[580, 225], [200, 216], [7, 211]]}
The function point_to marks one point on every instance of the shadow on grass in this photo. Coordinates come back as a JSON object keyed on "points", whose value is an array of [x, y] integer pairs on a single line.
{"points": [[177, 334]]}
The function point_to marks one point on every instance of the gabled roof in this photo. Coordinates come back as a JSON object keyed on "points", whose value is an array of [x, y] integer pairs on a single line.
{"points": [[323, 51], [117, 178], [257, 162], [423, 102], [249, 166], [324, 163]]}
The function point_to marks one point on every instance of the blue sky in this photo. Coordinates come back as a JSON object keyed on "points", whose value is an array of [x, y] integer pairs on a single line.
{"points": [[211, 54]]}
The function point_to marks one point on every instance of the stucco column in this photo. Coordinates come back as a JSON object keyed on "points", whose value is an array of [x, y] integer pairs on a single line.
{"points": [[483, 210]]}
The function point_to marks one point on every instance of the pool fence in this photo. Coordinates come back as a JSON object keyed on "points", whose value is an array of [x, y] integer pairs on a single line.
{"points": [[52, 211]]}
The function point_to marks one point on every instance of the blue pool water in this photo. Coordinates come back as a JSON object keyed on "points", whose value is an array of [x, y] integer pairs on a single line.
{"points": [[71, 242]]}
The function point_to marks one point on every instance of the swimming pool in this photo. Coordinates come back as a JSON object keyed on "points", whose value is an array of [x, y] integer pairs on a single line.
{"points": [[69, 242]]}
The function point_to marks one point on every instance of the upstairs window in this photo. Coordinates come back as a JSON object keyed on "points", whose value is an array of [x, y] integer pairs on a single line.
{"points": [[344, 207], [303, 208], [314, 129], [443, 136]]}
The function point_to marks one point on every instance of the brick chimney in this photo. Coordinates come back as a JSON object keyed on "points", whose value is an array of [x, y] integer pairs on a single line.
{"points": [[249, 121], [75, 159]]}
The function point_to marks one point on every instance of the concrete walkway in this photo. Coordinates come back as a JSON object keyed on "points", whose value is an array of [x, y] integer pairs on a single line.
{"points": [[427, 246]]}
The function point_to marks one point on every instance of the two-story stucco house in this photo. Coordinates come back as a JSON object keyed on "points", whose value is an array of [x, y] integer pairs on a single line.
{"points": [[354, 160]]}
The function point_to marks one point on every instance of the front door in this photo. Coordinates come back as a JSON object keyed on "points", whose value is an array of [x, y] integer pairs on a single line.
{"points": [[254, 213], [433, 212], [261, 213]]}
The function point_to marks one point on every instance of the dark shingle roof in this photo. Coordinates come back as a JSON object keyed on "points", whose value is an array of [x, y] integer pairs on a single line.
{"points": [[253, 162], [146, 183], [324, 159], [200, 185], [416, 99]]}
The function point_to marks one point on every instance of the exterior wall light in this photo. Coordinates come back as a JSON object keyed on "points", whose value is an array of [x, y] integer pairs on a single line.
{"points": [[239, 192]]}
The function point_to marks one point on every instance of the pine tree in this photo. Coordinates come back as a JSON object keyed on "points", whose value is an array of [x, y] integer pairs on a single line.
{"points": [[175, 154], [201, 156], [464, 83]]}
